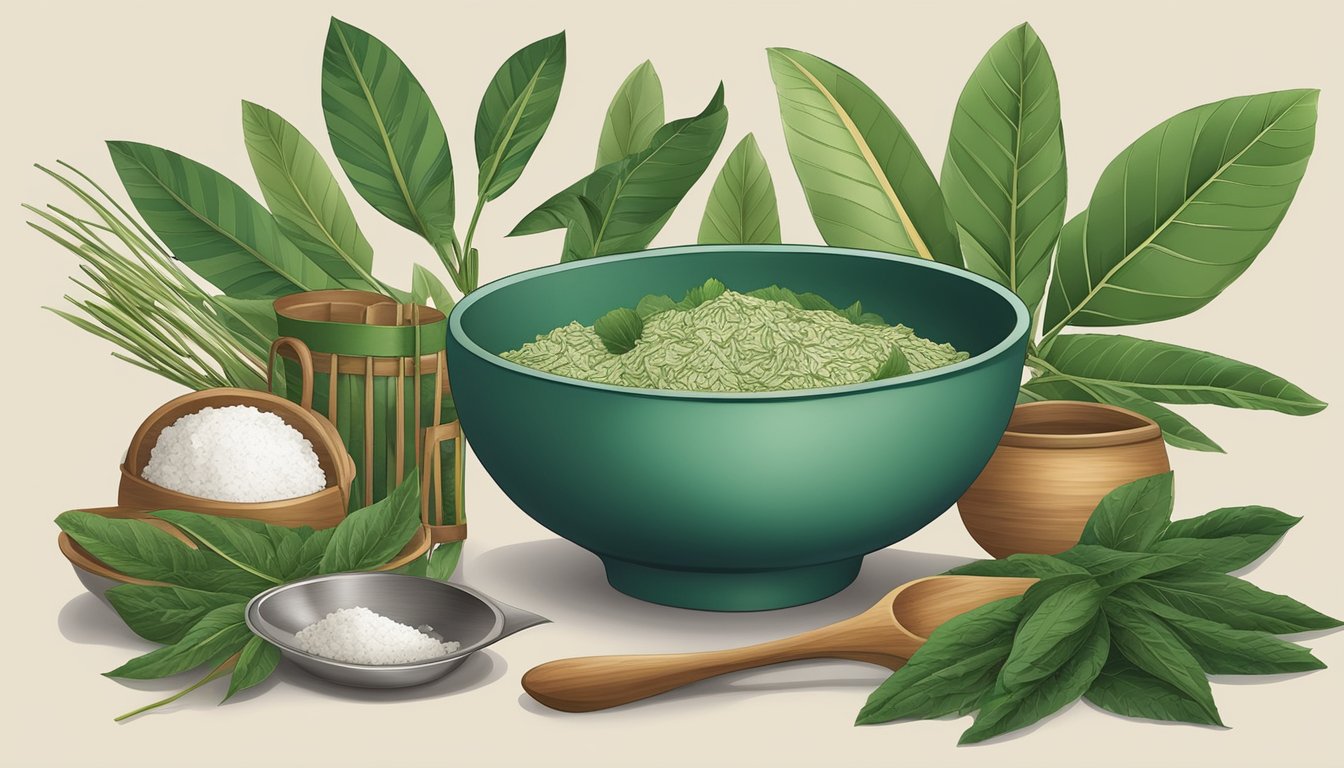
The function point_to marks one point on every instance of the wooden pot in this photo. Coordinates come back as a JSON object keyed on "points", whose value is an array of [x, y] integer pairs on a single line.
{"points": [[1053, 465]]}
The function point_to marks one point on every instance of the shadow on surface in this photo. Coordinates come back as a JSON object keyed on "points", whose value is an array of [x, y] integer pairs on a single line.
{"points": [[480, 669], [89, 621], [567, 583], [822, 675]]}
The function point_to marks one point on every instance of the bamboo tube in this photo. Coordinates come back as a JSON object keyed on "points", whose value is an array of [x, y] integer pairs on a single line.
{"points": [[368, 424], [401, 411]]}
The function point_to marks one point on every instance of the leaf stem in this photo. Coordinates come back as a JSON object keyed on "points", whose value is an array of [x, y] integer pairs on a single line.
{"points": [[450, 260], [224, 668], [470, 264]]}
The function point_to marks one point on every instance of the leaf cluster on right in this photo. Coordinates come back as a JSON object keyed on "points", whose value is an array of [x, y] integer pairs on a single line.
{"points": [[1134, 619]]}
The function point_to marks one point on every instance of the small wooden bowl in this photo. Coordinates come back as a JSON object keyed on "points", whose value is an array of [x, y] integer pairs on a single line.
{"points": [[1053, 465], [95, 574], [318, 510]]}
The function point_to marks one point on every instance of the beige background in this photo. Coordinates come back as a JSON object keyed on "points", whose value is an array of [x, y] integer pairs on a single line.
{"points": [[172, 74]]}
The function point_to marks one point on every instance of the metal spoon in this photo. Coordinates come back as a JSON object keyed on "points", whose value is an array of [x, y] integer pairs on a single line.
{"points": [[886, 634]]}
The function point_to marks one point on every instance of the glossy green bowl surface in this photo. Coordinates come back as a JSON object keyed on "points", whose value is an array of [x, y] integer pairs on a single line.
{"points": [[742, 501]]}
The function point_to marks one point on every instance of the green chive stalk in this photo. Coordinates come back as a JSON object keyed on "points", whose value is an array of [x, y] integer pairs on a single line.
{"points": [[141, 301]]}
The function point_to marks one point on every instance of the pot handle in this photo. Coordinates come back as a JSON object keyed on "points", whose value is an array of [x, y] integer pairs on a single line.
{"points": [[305, 358]]}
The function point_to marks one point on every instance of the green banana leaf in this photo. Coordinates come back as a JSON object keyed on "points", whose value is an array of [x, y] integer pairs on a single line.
{"points": [[386, 133], [1004, 175], [305, 199], [213, 226], [634, 194], [635, 114], [1182, 212], [742, 206], [865, 180], [515, 112], [1167, 373]]}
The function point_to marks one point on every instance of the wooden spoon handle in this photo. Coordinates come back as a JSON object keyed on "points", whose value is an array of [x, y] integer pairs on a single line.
{"points": [[597, 682]]}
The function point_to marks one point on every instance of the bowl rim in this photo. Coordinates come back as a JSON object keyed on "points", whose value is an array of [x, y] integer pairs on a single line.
{"points": [[1142, 430], [251, 617], [1019, 330]]}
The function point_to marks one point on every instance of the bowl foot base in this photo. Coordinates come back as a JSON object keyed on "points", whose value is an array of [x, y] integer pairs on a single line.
{"points": [[731, 590]]}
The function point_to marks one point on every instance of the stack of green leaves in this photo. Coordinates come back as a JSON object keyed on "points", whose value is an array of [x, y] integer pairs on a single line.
{"points": [[1133, 619], [198, 612]]}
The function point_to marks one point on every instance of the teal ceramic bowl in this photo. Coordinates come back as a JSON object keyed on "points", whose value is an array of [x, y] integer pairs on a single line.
{"points": [[736, 502]]}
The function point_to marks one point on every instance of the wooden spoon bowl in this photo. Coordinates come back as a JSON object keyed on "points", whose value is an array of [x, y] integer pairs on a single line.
{"points": [[886, 634]]}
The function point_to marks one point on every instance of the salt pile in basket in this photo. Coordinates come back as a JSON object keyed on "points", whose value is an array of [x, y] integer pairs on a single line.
{"points": [[236, 453]]}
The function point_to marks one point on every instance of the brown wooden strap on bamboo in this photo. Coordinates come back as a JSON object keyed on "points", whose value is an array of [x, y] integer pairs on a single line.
{"points": [[441, 534], [354, 364], [331, 390]]}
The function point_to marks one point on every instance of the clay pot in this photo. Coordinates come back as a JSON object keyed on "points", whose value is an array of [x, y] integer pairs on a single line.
{"points": [[1054, 463]]}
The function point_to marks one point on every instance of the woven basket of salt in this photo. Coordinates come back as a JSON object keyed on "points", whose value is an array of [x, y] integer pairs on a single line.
{"points": [[378, 372]]}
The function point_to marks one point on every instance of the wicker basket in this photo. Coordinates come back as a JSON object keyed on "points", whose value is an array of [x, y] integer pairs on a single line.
{"points": [[318, 510], [377, 369]]}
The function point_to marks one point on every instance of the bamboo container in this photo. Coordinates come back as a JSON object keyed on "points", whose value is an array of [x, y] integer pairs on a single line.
{"points": [[377, 370]]}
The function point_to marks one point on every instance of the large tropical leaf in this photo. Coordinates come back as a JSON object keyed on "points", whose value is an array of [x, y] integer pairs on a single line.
{"points": [[1183, 211], [213, 225], [865, 180], [1004, 173], [634, 195], [515, 112], [742, 206], [305, 199], [1166, 373], [635, 114], [1176, 430], [386, 133]]}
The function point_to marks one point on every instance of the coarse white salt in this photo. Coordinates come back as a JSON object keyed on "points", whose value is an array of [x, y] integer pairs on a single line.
{"points": [[235, 453], [360, 636]]}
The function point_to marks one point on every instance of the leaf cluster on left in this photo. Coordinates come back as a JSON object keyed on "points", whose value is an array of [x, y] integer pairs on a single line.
{"points": [[195, 607]]}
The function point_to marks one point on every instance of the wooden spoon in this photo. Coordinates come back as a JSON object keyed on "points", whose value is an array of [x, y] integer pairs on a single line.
{"points": [[886, 634]]}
